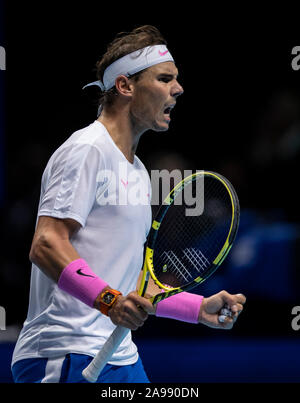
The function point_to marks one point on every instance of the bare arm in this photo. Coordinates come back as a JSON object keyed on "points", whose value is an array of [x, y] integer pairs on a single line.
{"points": [[51, 249]]}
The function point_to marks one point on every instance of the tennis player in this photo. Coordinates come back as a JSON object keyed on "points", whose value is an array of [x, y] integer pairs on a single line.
{"points": [[87, 250]]}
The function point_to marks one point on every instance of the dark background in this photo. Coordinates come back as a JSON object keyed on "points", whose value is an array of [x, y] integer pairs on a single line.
{"points": [[239, 116]]}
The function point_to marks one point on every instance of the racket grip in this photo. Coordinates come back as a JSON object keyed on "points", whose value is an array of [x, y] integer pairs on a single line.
{"points": [[93, 370]]}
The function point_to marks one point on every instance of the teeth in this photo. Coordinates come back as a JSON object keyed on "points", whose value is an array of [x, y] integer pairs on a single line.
{"points": [[168, 109]]}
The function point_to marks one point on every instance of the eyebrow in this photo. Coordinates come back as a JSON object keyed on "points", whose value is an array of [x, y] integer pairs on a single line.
{"points": [[168, 75]]}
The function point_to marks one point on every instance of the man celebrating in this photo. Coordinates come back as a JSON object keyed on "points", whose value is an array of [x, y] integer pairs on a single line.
{"points": [[87, 253]]}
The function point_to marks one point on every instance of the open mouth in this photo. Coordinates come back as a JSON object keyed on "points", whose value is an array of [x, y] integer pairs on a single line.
{"points": [[168, 109]]}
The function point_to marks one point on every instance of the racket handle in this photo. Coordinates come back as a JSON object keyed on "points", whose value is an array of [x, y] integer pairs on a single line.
{"points": [[93, 370]]}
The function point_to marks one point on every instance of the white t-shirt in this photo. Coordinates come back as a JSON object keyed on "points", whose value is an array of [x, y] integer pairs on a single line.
{"points": [[89, 179]]}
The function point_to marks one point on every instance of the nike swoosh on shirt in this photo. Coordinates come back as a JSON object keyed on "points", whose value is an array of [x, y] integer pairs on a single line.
{"points": [[125, 183], [83, 274]]}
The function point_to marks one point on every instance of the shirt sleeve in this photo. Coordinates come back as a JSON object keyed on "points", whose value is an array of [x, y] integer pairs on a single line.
{"points": [[69, 183]]}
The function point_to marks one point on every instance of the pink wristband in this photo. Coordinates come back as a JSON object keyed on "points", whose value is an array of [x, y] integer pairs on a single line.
{"points": [[81, 282], [184, 306]]}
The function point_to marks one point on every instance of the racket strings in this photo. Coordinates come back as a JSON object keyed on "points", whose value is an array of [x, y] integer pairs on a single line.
{"points": [[187, 245]]}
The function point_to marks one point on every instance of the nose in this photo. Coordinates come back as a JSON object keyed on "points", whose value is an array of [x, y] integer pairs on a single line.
{"points": [[177, 90]]}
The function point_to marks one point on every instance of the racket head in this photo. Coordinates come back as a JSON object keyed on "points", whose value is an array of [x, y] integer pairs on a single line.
{"points": [[183, 250]]}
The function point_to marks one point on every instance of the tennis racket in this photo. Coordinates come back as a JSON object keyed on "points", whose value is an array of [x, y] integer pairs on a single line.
{"points": [[191, 235]]}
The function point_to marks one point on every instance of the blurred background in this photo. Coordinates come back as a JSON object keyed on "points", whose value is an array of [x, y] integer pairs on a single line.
{"points": [[239, 116]]}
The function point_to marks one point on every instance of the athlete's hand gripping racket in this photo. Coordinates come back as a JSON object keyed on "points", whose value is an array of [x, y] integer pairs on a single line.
{"points": [[186, 244]]}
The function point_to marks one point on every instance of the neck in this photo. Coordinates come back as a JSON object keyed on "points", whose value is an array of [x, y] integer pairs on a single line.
{"points": [[122, 130]]}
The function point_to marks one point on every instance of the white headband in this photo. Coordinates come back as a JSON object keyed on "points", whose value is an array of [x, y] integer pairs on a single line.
{"points": [[133, 63]]}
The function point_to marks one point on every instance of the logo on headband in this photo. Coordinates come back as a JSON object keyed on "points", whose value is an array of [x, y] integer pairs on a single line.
{"points": [[163, 53]]}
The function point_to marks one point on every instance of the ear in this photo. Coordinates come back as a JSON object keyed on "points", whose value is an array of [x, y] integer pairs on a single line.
{"points": [[124, 86]]}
